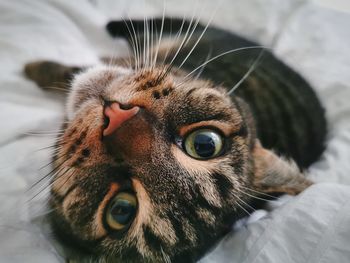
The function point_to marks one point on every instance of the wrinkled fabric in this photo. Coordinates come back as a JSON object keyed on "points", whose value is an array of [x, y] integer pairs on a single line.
{"points": [[312, 227]]}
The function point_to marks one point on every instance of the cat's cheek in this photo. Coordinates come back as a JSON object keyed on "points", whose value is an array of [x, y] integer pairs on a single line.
{"points": [[201, 171], [193, 165], [147, 217], [63, 183], [82, 140], [144, 211]]}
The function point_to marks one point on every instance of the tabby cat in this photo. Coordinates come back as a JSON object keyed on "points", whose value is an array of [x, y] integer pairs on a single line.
{"points": [[158, 160]]}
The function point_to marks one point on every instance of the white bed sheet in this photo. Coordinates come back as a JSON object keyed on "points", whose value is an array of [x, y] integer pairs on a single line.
{"points": [[310, 228]]}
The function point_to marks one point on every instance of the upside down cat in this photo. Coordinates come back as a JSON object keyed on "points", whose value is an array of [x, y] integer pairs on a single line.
{"points": [[156, 162]]}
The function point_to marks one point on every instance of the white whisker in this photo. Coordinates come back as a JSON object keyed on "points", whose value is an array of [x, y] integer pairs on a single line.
{"points": [[237, 203], [246, 204], [151, 45], [201, 70], [42, 134], [250, 70], [64, 90], [138, 47], [183, 41], [175, 39], [200, 37], [165, 256], [160, 34], [255, 197], [113, 57], [144, 39], [147, 42], [133, 45], [156, 39], [260, 193], [46, 183], [220, 55], [196, 23]]}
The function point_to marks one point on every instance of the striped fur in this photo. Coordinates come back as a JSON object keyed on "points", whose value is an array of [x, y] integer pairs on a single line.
{"points": [[184, 205]]}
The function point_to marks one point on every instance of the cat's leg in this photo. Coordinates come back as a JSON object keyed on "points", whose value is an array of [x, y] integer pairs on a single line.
{"points": [[49, 74]]}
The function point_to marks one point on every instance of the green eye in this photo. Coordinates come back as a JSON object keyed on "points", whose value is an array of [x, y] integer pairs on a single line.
{"points": [[121, 211], [203, 144]]}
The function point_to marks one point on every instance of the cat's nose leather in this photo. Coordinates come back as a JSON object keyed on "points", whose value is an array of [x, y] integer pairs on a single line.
{"points": [[117, 116]]}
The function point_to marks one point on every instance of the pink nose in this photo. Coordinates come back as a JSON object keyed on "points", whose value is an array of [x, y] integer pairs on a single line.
{"points": [[117, 116]]}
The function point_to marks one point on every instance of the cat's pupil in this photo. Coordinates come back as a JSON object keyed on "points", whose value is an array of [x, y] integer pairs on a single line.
{"points": [[122, 211], [204, 145]]}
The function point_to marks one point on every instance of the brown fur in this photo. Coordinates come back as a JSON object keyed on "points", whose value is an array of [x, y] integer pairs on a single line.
{"points": [[185, 205]]}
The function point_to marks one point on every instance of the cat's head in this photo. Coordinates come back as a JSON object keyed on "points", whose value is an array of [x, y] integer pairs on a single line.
{"points": [[151, 166]]}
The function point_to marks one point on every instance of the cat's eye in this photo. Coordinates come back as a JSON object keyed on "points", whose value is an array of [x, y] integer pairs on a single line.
{"points": [[203, 144], [121, 211]]}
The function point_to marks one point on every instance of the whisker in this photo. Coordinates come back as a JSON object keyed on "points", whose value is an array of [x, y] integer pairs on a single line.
{"points": [[138, 48], [46, 211], [64, 90], [151, 44], [246, 204], [45, 187], [147, 41], [45, 148], [184, 38], [46, 165], [175, 39], [201, 70], [156, 39], [58, 143], [196, 23], [49, 174], [144, 38], [165, 256], [250, 70], [41, 134], [237, 203], [60, 176], [49, 131], [160, 35], [218, 56], [200, 37], [260, 193], [170, 65], [256, 197], [132, 42], [112, 60]]}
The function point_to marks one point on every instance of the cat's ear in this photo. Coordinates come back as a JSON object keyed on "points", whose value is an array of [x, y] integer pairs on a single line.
{"points": [[275, 174], [50, 74]]}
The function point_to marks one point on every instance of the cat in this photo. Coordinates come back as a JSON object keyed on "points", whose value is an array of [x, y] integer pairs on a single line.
{"points": [[156, 163]]}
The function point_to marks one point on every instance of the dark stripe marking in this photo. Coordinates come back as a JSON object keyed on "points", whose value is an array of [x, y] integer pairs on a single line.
{"points": [[152, 240]]}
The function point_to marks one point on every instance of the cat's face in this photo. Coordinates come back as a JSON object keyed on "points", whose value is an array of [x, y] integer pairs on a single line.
{"points": [[166, 182]]}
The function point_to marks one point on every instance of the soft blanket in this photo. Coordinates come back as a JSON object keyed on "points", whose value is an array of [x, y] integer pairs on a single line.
{"points": [[312, 227]]}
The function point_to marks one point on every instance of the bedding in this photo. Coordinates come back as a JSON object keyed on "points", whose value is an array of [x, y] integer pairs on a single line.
{"points": [[313, 39]]}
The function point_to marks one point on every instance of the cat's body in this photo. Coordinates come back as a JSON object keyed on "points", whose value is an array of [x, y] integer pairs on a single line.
{"points": [[182, 152]]}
